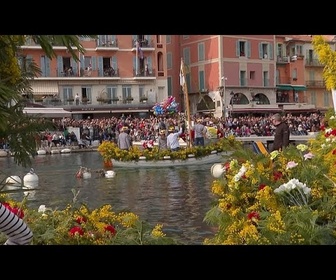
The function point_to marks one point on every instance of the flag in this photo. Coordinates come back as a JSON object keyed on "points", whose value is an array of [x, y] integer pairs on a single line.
{"points": [[182, 77]]}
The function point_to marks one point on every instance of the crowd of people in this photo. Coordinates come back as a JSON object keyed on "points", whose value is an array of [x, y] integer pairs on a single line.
{"points": [[157, 127]]}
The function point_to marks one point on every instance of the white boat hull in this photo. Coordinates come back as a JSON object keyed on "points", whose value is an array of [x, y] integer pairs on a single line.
{"points": [[213, 158]]}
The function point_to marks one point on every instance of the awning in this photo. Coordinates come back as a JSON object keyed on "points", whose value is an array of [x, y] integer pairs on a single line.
{"points": [[45, 88], [291, 87], [47, 112], [299, 88], [284, 87]]}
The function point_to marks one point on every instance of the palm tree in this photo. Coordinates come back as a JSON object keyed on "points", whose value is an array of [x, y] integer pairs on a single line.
{"points": [[19, 130]]}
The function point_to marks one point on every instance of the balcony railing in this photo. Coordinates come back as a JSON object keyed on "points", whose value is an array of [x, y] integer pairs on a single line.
{"points": [[313, 62], [315, 84], [144, 73], [283, 59]]}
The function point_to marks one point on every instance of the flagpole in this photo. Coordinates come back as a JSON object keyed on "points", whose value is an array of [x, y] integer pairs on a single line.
{"points": [[136, 57], [186, 96]]}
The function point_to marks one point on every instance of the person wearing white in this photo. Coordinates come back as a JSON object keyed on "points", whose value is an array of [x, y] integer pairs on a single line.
{"points": [[173, 139]]}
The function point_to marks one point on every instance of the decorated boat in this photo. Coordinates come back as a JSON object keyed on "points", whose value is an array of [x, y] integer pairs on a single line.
{"points": [[137, 156]]}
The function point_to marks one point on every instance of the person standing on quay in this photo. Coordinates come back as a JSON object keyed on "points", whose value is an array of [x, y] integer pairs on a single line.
{"points": [[124, 139], [281, 135]]}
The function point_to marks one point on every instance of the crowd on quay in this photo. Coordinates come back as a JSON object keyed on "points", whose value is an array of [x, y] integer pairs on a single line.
{"points": [[139, 129]]}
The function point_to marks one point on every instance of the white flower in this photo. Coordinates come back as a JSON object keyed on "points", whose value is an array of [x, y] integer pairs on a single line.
{"points": [[42, 208], [332, 117], [294, 192]]}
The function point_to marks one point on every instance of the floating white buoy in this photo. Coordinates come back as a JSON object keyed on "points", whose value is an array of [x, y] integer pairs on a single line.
{"points": [[86, 175], [41, 152], [13, 180], [30, 177], [110, 174], [217, 170]]}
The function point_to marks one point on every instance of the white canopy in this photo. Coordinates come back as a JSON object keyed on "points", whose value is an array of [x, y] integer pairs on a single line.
{"points": [[47, 112]]}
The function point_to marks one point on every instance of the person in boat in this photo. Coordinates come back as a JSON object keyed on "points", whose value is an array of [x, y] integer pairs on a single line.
{"points": [[162, 140], [173, 143], [124, 139], [200, 131]]}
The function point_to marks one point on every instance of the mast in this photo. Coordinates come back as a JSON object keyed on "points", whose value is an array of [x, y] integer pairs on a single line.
{"points": [[186, 96]]}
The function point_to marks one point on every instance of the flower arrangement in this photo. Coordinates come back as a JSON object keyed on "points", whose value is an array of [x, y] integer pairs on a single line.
{"points": [[82, 226], [283, 198]]}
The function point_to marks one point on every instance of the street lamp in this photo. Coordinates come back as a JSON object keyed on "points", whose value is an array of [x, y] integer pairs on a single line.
{"points": [[223, 79]]}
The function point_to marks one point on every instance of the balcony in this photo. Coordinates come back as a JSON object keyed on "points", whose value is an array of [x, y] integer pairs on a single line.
{"points": [[315, 84], [313, 63], [283, 59], [144, 73]]}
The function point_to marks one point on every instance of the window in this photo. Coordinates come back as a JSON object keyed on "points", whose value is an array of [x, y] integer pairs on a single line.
{"points": [[201, 81], [242, 48], [169, 86], [168, 39], [252, 75], [266, 78], [264, 51], [68, 94], [279, 50], [127, 94], [294, 74], [169, 60], [326, 102], [111, 93], [87, 63], [45, 66], [86, 94], [201, 52], [186, 56], [313, 97], [185, 36], [243, 78]]}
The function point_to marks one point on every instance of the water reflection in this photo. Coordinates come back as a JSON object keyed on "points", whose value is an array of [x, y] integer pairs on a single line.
{"points": [[176, 197]]}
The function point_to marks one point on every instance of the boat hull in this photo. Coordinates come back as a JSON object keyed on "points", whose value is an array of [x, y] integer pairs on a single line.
{"points": [[213, 158]]}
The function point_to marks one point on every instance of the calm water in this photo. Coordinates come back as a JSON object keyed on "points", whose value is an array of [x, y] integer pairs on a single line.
{"points": [[177, 197]]}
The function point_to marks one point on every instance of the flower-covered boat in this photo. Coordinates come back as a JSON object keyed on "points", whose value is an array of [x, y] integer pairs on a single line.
{"points": [[138, 156]]}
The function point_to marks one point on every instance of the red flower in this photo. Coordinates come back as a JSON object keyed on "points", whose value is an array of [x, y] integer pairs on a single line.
{"points": [[76, 230], [253, 215], [6, 204], [227, 166], [334, 152], [80, 220], [261, 186], [18, 212], [110, 228], [277, 175]]}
